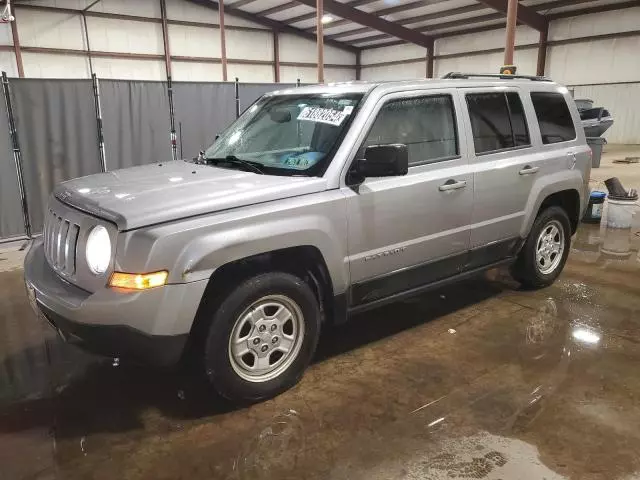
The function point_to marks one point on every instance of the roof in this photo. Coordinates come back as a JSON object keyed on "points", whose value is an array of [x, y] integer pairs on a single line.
{"points": [[362, 24]]}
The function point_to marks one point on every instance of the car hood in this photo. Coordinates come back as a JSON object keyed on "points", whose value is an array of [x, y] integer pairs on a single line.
{"points": [[150, 194]]}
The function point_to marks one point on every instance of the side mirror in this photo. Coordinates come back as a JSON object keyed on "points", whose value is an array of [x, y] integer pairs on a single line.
{"points": [[384, 161]]}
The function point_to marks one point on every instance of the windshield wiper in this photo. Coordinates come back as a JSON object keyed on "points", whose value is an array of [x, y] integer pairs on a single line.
{"points": [[255, 167]]}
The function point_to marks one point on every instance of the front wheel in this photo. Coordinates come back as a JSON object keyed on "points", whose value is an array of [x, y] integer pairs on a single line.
{"points": [[546, 249], [262, 337]]}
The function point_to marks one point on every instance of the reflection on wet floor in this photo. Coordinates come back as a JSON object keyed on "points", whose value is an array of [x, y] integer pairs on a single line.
{"points": [[478, 380]]}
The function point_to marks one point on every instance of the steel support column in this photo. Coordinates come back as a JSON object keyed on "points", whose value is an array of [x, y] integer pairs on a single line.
{"points": [[320, 39], [223, 41], [83, 12], [16, 44], [542, 51], [276, 57], [86, 39], [510, 40], [165, 38], [430, 58]]}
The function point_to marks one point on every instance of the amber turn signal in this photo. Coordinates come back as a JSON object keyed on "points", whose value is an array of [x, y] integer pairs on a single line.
{"points": [[138, 281]]}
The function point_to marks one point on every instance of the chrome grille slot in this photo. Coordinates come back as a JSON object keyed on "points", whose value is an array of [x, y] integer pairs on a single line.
{"points": [[47, 225], [47, 237], [63, 228], [60, 241], [70, 254]]}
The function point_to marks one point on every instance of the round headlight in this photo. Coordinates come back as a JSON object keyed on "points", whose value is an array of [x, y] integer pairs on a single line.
{"points": [[98, 251]]}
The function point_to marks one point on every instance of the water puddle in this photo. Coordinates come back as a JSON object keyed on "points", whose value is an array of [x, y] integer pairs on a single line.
{"points": [[479, 380]]}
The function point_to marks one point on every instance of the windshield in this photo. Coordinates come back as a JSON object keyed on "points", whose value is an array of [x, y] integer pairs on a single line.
{"points": [[289, 134]]}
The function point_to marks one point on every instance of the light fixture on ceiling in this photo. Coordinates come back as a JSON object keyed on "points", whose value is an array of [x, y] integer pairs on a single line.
{"points": [[327, 19]]}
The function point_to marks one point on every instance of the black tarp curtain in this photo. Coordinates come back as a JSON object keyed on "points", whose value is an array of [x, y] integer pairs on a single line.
{"points": [[58, 133]]}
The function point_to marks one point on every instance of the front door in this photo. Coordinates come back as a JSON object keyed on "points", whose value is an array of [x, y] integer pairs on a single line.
{"points": [[411, 230]]}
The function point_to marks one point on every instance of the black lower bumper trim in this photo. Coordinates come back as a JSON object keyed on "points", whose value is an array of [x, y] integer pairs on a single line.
{"points": [[120, 341]]}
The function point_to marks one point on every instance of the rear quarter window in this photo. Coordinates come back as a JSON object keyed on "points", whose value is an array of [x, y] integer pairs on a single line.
{"points": [[554, 117]]}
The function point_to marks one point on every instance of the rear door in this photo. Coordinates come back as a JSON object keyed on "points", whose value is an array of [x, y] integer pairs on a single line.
{"points": [[563, 145], [411, 230], [505, 166]]}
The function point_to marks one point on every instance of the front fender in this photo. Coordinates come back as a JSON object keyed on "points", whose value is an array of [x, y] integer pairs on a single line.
{"points": [[548, 185], [206, 254], [192, 249]]}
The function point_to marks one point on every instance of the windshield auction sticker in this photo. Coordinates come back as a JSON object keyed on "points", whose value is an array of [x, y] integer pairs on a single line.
{"points": [[323, 115]]}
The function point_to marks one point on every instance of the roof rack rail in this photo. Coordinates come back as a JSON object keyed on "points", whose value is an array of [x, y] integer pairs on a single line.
{"points": [[460, 75]]}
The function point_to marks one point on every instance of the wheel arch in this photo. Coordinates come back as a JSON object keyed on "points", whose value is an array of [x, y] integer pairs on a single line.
{"points": [[303, 261], [561, 189], [569, 201]]}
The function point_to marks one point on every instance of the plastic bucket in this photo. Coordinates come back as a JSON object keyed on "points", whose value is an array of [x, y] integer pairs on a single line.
{"points": [[594, 209], [616, 243], [620, 213], [596, 144]]}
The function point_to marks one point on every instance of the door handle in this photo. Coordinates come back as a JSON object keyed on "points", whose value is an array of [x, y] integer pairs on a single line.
{"points": [[452, 185], [529, 170]]}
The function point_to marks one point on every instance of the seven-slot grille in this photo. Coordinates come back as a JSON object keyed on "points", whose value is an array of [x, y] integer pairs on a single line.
{"points": [[60, 240]]}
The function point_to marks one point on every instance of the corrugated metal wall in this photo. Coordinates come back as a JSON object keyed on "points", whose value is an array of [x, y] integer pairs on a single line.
{"points": [[594, 68], [624, 103], [63, 30]]}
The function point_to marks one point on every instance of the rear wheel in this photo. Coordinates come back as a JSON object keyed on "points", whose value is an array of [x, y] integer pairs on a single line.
{"points": [[262, 337], [546, 249]]}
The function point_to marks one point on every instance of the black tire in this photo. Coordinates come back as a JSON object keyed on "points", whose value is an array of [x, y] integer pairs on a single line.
{"points": [[526, 269], [216, 356]]}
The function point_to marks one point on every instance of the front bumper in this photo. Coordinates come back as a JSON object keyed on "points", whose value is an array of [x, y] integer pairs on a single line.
{"points": [[150, 327]]}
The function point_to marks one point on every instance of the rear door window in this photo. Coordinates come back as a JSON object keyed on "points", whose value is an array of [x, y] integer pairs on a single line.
{"points": [[497, 121], [554, 117]]}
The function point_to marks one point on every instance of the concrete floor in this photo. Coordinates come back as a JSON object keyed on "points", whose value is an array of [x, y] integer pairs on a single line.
{"points": [[478, 380], [628, 172]]}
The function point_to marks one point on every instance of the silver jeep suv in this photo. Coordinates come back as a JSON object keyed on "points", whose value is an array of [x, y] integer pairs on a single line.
{"points": [[318, 202]]}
